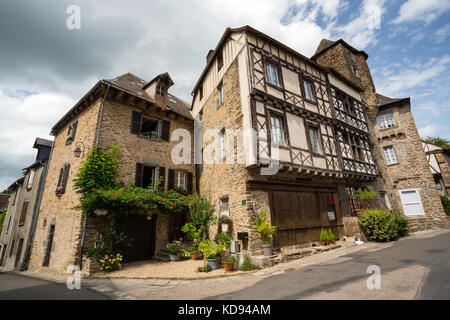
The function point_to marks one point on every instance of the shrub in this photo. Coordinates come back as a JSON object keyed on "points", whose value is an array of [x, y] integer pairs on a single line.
{"points": [[211, 250], [264, 227], [230, 259], [247, 265], [185, 255], [111, 262], [206, 268], [381, 225], [330, 235], [225, 239], [446, 204], [174, 247], [323, 235]]}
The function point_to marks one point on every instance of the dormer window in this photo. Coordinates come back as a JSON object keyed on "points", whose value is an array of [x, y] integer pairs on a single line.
{"points": [[160, 91]]}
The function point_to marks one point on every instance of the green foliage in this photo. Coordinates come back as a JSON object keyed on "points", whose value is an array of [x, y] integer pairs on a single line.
{"points": [[230, 259], [381, 225], [7, 191], [202, 212], [192, 231], [247, 265], [323, 235], [185, 255], [180, 191], [206, 268], [441, 142], [211, 250], [174, 247], [108, 243], [225, 239], [364, 194], [98, 171], [446, 204], [330, 235], [264, 227], [111, 262], [134, 200], [2, 219]]}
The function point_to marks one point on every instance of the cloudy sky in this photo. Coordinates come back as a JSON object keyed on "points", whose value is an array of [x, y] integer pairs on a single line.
{"points": [[46, 67]]}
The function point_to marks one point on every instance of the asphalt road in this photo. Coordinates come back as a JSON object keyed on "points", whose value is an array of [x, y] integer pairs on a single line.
{"points": [[417, 267], [17, 287], [413, 268]]}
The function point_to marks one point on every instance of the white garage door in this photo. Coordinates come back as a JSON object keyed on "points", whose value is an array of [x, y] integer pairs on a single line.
{"points": [[412, 205]]}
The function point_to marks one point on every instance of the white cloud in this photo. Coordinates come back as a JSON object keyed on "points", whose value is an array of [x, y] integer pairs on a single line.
{"points": [[434, 130], [443, 32], [422, 10]]}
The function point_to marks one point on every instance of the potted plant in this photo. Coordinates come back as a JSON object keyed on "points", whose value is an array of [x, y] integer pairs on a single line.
{"points": [[331, 236], [194, 251], [323, 237], [225, 222], [266, 230], [212, 252], [59, 191], [229, 263], [174, 250]]}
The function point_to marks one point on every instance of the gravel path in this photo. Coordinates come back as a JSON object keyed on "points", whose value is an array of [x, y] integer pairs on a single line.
{"points": [[149, 269]]}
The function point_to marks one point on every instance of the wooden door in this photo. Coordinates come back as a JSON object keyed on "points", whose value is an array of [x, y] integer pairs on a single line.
{"points": [[142, 234]]}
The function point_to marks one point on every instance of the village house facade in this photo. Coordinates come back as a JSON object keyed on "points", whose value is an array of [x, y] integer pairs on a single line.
{"points": [[439, 162], [325, 118], [20, 220], [139, 116]]}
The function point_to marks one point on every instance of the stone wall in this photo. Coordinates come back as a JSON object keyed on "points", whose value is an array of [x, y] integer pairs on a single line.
{"points": [[57, 210]]}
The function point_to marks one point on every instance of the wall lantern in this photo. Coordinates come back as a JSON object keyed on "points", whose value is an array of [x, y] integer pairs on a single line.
{"points": [[79, 150]]}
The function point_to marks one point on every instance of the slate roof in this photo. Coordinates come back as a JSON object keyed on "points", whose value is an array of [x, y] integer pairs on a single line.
{"points": [[134, 85], [383, 100], [42, 142], [325, 44]]}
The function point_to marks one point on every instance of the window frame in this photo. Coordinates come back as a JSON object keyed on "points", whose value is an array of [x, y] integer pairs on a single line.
{"points": [[158, 129], [177, 179], [221, 209], [220, 95], [276, 66], [394, 153], [381, 119], [160, 90], [279, 117], [31, 177], [314, 126]]}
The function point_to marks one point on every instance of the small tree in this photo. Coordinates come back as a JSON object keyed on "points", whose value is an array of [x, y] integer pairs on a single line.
{"points": [[264, 227], [323, 235], [330, 235]]}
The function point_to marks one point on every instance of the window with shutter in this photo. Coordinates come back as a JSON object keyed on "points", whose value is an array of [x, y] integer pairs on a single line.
{"points": [[411, 202], [65, 177], [136, 119], [23, 214], [165, 131], [189, 181], [170, 179]]}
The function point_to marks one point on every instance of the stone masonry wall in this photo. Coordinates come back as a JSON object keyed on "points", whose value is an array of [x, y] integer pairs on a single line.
{"points": [[68, 223]]}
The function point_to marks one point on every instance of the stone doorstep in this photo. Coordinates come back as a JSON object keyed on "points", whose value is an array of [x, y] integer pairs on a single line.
{"points": [[289, 255]]}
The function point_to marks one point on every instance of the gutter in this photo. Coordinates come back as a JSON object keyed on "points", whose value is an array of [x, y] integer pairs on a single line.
{"points": [[97, 137]]}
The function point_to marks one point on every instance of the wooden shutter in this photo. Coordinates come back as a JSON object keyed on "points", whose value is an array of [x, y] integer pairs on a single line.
{"points": [[162, 175], [74, 129], [23, 214], [61, 172], [136, 119], [65, 176], [165, 131], [189, 182], [138, 178], [170, 179]]}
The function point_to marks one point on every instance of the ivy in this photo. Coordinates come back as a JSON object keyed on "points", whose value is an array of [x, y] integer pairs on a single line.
{"points": [[98, 171]]}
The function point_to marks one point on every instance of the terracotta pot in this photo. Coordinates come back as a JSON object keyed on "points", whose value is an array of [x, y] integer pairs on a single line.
{"points": [[324, 243], [333, 241], [228, 267], [194, 256]]}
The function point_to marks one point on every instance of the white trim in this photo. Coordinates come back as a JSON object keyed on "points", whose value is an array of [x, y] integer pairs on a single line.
{"points": [[417, 192]]}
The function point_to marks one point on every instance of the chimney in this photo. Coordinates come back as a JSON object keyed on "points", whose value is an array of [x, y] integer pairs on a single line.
{"points": [[209, 56]]}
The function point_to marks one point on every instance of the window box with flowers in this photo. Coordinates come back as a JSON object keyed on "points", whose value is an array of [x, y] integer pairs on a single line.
{"points": [[59, 191], [225, 222]]}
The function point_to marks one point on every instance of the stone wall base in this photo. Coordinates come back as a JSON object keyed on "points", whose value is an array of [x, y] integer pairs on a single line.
{"points": [[352, 228]]}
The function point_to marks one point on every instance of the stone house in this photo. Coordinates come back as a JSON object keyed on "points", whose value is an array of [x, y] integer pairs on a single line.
{"points": [[4, 198], [405, 182], [321, 126], [20, 220], [139, 116], [439, 162]]}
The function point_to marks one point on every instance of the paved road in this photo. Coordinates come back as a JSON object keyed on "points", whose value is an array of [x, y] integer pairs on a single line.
{"points": [[416, 267], [14, 287]]}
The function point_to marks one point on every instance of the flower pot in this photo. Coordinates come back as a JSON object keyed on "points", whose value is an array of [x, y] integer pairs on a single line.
{"points": [[194, 256], [174, 257], [213, 263], [324, 243], [225, 227], [267, 249], [228, 267], [333, 241]]}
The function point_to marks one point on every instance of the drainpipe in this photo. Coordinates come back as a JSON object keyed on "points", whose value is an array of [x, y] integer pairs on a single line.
{"points": [[37, 207], [97, 137]]}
